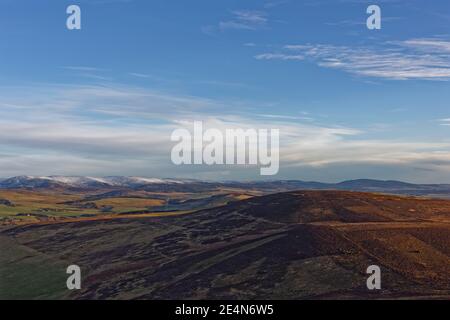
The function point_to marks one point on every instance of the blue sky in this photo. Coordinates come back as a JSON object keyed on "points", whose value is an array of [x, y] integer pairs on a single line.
{"points": [[103, 100]]}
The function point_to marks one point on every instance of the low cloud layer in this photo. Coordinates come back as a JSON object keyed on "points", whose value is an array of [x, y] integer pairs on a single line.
{"points": [[99, 130]]}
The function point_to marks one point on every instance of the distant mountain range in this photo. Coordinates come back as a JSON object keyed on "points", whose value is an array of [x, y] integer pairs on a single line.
{"points": [[186, 185], [80, 182]]}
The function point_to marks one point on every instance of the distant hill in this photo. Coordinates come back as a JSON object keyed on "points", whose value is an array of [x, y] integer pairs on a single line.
{"points": [[190, 185], [81, 182]]}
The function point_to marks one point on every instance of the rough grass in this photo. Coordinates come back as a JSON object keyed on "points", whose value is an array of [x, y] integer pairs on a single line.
{"points": [[37, 206], [28, 274]]}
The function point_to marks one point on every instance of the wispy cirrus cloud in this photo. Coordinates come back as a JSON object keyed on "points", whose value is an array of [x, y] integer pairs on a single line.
{"points": [[93, 73], [428, 45], [82, 68], [245, 19], [420, 59], [250, 20], [139, 75], [273, 4], [444, 122], [279, 56]]}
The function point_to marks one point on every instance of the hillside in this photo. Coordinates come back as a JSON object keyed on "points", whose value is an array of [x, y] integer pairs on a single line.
{"points": [[295, 245]]}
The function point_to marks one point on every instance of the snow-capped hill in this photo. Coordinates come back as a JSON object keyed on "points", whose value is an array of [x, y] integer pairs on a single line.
{"points": [[126, 181], [81, 182], [28, 182], [78, 181]]}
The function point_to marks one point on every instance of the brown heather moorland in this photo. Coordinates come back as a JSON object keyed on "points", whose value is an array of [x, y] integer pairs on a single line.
{"points": [[291, 245]]}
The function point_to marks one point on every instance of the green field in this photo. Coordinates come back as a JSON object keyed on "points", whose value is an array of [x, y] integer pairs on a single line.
{"points": [[25, 206], [28, 274]]}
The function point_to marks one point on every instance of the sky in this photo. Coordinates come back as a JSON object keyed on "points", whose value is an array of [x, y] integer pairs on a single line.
{"points": [[349, 102]]}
